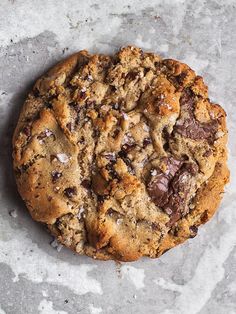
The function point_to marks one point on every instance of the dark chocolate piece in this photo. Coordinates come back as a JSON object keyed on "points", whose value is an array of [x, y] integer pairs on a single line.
{"points": [[55, 175], [188, 126], [193, 231], [86, 184], [169, 190], [147, 141], [70, 192]]}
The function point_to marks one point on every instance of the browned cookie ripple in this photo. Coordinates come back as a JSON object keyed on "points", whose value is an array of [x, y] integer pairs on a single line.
{"points": [[121, 156]]}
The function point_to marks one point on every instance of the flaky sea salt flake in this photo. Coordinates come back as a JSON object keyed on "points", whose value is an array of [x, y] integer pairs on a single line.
{"points": [[146, 128], [125, 116], [153, 172], [80, 212], [63, 158], [48, 132]]}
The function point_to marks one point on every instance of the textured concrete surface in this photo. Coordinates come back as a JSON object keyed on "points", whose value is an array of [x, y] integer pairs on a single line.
{"points": [[197, 277]]}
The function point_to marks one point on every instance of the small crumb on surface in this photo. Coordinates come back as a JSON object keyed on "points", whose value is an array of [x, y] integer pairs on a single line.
{"points": [[56, 245], [13, 213]]}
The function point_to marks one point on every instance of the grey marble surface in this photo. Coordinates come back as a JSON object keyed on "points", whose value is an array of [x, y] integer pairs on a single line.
{"points": [[196, 277]]}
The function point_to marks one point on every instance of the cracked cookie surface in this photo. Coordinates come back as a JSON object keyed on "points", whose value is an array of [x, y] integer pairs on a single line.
{"points": [[121, 156]]}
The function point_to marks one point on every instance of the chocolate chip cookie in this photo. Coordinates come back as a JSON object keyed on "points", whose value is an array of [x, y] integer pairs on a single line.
{"points": [[121, 156]]}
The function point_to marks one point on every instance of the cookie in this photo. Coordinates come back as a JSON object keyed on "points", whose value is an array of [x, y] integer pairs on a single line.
{"points": [[121, 156]]}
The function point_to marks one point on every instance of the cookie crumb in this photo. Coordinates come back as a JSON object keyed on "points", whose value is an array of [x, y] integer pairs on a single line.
{"points": [[56, 245], [13, 213]]}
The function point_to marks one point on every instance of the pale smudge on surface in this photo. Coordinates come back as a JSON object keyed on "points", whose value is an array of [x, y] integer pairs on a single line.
{"points": [[180, 12], [44, 293], [143, 42], [195, 63], [1, 310], [163, 48], [46, 307], [36, 265], [66, 21], [94, 310], [133, 274]]}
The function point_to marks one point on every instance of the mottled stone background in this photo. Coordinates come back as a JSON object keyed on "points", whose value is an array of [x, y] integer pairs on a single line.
{"points": [[197, 277]]}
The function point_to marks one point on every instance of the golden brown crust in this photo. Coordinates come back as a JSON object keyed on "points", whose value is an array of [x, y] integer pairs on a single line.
{"points": [[121, 156]]}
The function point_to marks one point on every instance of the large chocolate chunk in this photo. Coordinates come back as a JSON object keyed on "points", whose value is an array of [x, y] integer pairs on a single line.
{"points": [[169, 190], [195, 130], [177, 203], [188, 126], [173, 166], [180, 182], [158, 185], [158, 188], [180, 186]]}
